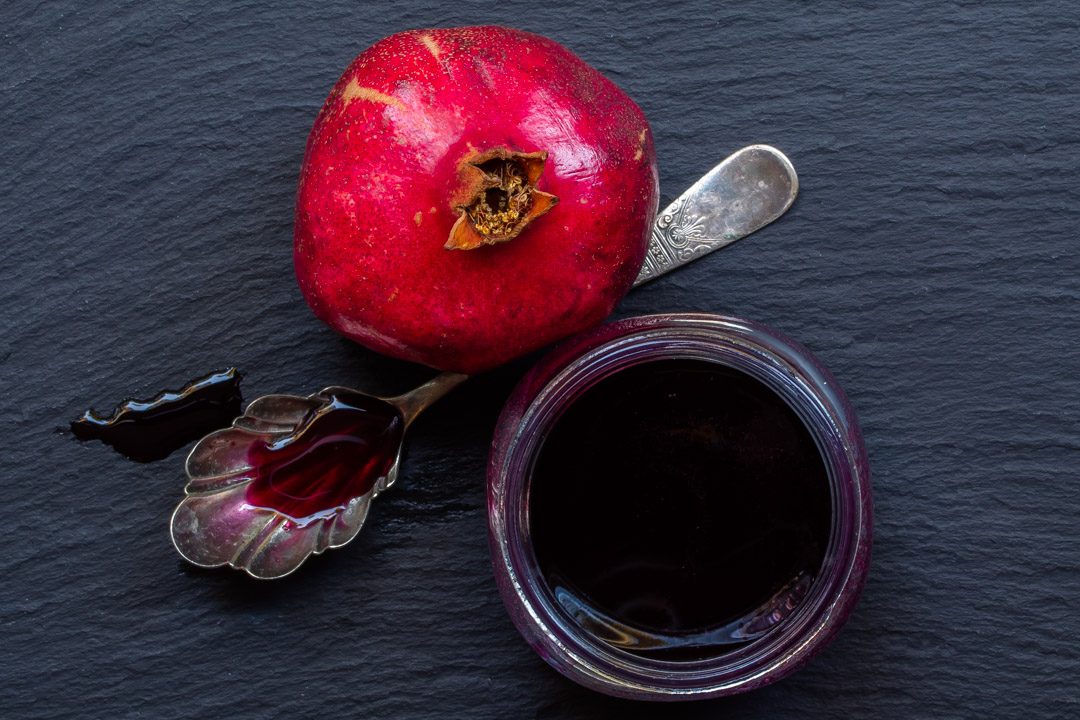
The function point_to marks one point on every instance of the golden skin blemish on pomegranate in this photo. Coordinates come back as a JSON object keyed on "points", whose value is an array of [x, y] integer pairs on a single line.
{"points": [[431, 45], [641, 144], [355, 91], [418, 218], [346, 201]]}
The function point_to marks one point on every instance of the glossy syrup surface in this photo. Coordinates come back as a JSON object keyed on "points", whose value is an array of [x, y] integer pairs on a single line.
{"points": [[337, 454], [679, 509], [148, 430]]}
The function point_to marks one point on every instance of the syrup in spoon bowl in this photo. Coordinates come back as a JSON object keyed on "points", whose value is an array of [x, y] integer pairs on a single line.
{"points": [[293, 476]]}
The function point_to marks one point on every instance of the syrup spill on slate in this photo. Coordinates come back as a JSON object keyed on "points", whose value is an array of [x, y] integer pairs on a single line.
{"points": [[679, 509], [148, 430]]}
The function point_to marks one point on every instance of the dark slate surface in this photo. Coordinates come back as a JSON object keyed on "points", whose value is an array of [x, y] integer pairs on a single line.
{"points": [[150, 155]]}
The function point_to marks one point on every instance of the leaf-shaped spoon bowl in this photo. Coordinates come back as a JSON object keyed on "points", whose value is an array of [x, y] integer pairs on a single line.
{"points": [[293, 476], [296, 475]]}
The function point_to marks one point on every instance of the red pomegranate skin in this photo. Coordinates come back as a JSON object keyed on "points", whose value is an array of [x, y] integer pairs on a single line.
{"points": [[382, 183]]}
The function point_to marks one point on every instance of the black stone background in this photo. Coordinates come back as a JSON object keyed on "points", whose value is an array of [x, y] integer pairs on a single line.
{"points": [[150, 154]]}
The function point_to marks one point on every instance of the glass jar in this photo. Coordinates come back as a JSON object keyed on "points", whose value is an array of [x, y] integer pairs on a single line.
{"points": [[557, 381]]}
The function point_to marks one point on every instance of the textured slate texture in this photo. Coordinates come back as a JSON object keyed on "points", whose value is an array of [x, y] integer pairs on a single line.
{"points": [[150, 152]]}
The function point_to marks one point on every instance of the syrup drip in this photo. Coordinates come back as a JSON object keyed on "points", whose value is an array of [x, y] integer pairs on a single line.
{"points": [[148, 430]]}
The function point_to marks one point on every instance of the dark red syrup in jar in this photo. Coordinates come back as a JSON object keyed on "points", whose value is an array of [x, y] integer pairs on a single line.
{"points": [[338, 453], [679, 509]]}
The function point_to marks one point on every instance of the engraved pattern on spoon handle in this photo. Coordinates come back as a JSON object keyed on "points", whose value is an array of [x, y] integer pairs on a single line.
{"points": [[744, 193]]}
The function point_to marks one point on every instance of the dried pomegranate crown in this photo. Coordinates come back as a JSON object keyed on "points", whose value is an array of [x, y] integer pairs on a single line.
{"points": [[502, 198]]}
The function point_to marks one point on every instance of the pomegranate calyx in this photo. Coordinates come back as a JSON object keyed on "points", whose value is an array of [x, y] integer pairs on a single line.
{"points": [[501, 198]]}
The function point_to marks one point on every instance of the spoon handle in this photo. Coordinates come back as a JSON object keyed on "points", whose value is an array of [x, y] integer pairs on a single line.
{"points": [[416, 401], [744, 193]]}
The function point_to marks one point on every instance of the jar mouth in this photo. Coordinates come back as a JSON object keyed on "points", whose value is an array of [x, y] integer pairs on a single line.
{"points": [[557, 382]]}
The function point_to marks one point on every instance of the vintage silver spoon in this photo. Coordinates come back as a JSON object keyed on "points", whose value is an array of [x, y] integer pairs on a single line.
{"points": [[296, 475]]}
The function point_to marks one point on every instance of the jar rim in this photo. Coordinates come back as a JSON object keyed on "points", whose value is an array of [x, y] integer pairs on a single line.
{"points": [[786, 368]]}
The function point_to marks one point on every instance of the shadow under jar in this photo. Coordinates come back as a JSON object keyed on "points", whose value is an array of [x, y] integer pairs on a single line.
{"points": [[679, 507]]}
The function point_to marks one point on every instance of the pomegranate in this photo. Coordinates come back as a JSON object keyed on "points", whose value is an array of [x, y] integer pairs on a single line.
{"points": [[471, 194]]}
